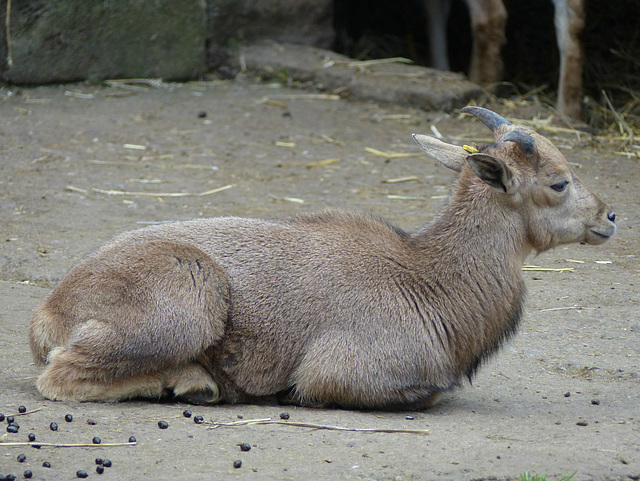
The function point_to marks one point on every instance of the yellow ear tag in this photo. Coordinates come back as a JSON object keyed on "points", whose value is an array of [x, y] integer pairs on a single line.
{"points": [[471, 150]]}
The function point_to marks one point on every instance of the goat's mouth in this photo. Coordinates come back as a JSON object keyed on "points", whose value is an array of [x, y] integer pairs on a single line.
{"points": [[596, 237]]}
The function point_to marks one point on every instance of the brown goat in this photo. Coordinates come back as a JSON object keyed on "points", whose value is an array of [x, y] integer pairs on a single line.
{"points": [[332, 308], [488, 23]]}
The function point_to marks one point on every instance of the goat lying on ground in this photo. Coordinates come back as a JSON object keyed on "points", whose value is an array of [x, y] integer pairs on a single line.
{"points": [[333, 308]]}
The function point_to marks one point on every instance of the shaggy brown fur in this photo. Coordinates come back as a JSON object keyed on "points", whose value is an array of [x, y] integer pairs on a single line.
{"points": [[329, 308]]}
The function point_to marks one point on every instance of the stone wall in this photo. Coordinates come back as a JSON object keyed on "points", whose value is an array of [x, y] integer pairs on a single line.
{"points": [[71, 40]]}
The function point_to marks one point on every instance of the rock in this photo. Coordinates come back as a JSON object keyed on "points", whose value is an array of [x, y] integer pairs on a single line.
{"points": [[72, 40], [394, 83]]}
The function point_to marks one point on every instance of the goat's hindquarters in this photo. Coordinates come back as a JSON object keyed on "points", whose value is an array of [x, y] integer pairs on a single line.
{"points": [[132, 321]]}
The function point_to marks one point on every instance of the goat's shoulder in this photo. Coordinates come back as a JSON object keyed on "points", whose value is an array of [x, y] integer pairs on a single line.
{"points": [[345, 221]]}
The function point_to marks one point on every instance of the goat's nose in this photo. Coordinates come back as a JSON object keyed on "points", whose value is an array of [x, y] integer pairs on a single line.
{"points": [[611, 216]]}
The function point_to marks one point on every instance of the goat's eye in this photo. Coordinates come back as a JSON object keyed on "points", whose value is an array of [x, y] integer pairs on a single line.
{"points": [[560, 186]]}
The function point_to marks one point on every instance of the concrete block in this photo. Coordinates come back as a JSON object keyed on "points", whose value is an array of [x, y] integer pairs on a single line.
{"points": [[393, 83], [70, 40]]}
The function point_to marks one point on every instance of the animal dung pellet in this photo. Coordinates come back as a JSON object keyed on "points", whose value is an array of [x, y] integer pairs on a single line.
{"points": [[22, 409], [46, 464], [53, 426], [106, 463], [237, 463], [1, 417], [81, 473], [99, 461], [202, 114], [582, 423], [163, 424], [198, 419], [186, 413], [132, 439], [22, 458], [245, 447], [31, 437], [10, 419], [595, 402], [27, 474], [284, 416], [13, 428], [410, 418], [68, 418], [96, 440], [100, 469]]}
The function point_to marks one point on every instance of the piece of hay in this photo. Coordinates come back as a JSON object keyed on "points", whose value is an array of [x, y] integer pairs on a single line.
{"points": [[215, 425], [150, 194], [547, 269], [397, 180], [323, 162], [391, 155]]}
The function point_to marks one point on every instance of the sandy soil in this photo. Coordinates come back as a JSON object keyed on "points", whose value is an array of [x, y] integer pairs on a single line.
{"points": [[562, 397]]}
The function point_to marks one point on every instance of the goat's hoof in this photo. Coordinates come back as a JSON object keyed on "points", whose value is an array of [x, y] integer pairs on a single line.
{"points": [[202, 397]]}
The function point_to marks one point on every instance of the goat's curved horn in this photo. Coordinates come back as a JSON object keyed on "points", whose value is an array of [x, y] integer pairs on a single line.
{"points": [[524, 140], [488, 117]]}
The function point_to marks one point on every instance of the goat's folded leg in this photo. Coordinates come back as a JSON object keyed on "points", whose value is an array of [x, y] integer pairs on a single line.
{"points": [[65, 380], [132, 321]]}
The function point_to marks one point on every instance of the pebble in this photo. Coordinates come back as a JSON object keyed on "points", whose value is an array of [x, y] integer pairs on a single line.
{"points": [[582, 423], [163, 424], [202, 114]]}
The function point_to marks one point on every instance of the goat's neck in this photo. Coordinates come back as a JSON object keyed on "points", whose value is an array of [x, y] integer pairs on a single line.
{"points": [[476, 230], [472, 255]]}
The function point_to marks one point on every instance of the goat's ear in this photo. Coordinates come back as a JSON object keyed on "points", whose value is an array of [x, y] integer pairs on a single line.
{"points": [[492, 171], [449, 155]]}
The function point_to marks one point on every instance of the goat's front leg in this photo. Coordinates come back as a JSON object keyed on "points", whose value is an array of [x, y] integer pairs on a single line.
{"points": [[569, 22]]}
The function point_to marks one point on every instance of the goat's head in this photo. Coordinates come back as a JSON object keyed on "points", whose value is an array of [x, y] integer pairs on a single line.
{"points": [[528, 174]]}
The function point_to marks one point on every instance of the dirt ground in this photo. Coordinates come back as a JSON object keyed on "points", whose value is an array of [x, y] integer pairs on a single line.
{"points": [[78, 165]]}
